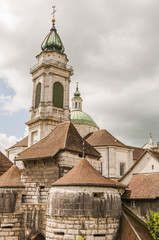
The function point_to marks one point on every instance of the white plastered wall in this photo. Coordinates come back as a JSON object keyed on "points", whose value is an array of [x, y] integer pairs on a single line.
{"points": [[147, 164], [111, 159]]}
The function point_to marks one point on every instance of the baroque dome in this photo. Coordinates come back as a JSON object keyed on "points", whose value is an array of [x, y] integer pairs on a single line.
{"points": [[80, 117]]}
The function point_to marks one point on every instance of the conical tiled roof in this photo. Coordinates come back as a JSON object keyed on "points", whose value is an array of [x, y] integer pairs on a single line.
{"points": [[11, 178], [5, 163], [83, 174], [104, 138], [63, 137]]}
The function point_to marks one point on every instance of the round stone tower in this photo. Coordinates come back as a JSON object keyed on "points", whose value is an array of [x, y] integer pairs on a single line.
{"points": [[83, 203]]}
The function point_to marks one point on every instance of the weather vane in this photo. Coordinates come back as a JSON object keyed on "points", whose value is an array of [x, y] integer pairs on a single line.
{"points": [[54, 10]]}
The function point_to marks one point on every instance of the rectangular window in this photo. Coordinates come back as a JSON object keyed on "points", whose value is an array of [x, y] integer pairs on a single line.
{"points": [[98, 195], [122, 169]]}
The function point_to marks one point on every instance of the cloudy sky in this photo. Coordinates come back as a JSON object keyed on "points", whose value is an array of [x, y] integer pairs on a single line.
{"points": [[113, 46]]}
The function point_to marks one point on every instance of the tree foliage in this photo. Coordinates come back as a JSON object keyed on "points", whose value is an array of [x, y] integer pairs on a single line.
{"points": [[153, 224], [81, 238]]}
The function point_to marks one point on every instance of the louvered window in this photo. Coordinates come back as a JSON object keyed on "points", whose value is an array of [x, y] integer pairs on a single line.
{"points": [[58, 95]]}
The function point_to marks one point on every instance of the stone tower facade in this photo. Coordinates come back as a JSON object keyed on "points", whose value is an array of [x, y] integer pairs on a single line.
{"points": [[51, 80]]}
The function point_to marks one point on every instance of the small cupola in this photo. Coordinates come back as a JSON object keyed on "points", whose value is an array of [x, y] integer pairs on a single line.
{"points": [[77, 100]]}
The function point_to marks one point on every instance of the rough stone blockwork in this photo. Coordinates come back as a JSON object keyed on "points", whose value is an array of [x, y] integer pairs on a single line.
{"points": [[11, 226], [73, 228], [38, 178]]}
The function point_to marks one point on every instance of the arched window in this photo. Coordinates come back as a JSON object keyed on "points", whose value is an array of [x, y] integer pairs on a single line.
{"points": [[75, 104], [58, 95], [38, 95]]}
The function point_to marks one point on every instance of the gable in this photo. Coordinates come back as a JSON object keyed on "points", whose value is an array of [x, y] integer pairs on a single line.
{"points": [[146, 164]]}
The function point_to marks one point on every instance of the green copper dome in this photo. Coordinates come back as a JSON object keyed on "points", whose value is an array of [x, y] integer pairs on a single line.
{"points": [[80, 117], [52, 42]]}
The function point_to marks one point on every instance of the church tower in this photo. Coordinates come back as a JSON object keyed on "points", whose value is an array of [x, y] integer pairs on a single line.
{"points": [[51, 80]]}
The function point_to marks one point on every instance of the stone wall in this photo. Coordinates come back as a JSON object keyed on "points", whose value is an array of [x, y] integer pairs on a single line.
{"points": [[11, 226], [68, 160], [90, 228], [89, 211], [72, 201], [37, 178]]}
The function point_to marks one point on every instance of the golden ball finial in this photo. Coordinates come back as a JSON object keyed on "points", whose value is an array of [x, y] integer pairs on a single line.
{"points": [[53, 20]]}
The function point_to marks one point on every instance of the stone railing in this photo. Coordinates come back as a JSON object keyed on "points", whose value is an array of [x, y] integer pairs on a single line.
{"points": [[51, 62]]}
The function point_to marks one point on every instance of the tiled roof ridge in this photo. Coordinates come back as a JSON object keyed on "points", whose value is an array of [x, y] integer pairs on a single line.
{"points": [[63, 137], [66, 136], [103, 137], [82, 139], [114, 137], [154, 153]]}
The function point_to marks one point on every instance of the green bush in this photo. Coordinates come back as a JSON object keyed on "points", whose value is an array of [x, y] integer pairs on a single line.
{"points": [[153, 224], [81, 238]]}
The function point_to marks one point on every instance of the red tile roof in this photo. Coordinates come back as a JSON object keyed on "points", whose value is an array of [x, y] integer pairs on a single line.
{"points": [[143, 185], [84, 174], [21, 143], [132, 228], [5, 163], [104, 138], [11, 178], [63, 137]]}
